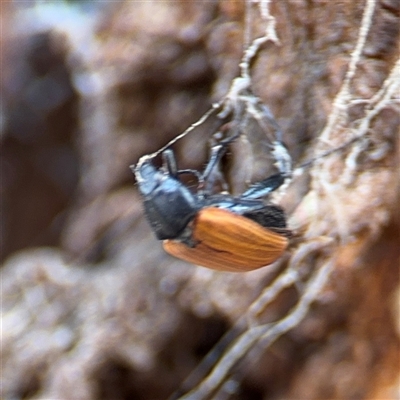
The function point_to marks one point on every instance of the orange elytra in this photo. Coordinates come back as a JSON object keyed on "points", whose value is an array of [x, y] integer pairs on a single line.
{"points": [[228, 242]]}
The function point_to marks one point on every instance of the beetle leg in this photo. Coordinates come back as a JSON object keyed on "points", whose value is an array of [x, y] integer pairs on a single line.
{"points": [[217, 152], [263, 115], [283, 161], [169, 163], [264, 187], [194, 172]]}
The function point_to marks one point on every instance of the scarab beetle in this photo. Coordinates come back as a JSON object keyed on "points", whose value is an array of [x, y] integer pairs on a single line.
{"points": [[218, 231]]}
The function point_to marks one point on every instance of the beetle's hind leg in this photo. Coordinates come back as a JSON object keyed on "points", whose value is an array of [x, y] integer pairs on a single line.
{"points": [[264, 187], [283, 163]]}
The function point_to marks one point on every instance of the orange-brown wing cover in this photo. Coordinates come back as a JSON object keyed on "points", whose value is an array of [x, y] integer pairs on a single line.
{"points": [[229, 242]]}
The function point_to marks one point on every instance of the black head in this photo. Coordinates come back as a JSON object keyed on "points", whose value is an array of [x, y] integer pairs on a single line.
{"points": [[169, 205]]}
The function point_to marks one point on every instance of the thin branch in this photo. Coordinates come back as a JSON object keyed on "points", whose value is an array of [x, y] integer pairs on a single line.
{"points": [[339, 111]]}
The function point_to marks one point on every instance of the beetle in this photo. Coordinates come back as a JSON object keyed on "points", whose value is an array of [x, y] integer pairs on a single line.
{"points": [[214, 230]]}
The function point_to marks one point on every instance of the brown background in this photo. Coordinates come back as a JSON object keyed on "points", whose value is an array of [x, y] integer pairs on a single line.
{"points": [[92, 306]]}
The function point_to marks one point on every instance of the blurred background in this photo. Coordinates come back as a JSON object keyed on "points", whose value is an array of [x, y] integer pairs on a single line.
{"points": [[92, 306]]}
